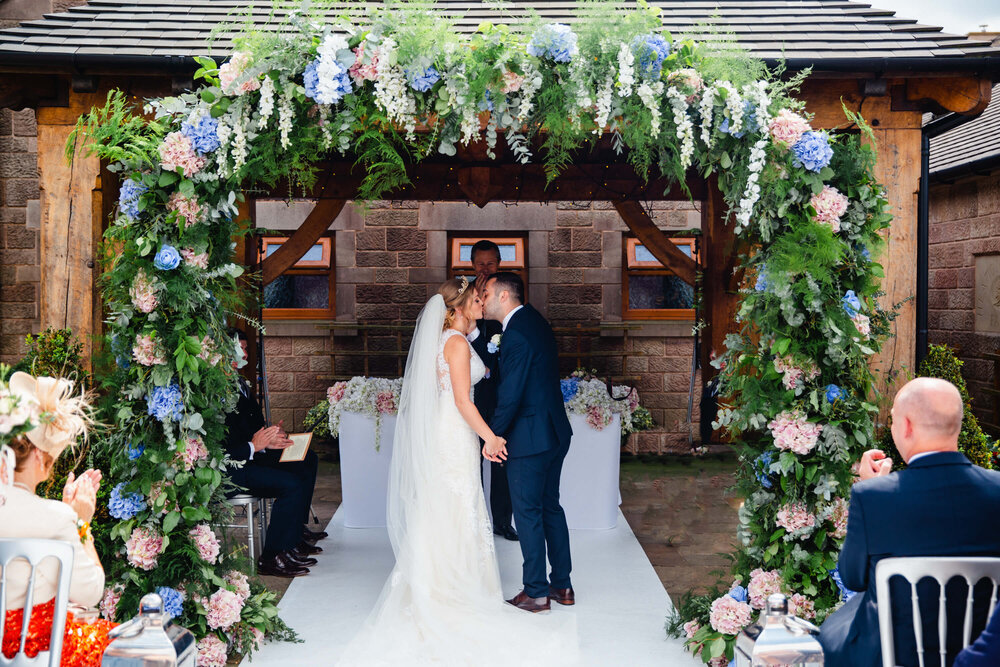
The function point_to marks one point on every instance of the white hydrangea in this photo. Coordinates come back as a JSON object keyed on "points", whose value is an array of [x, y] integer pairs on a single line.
{"points": [[266, 102], [328, 90], [626, 70]]}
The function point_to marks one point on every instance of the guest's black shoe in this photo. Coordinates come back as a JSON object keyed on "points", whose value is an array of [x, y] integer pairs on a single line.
{"points": [[314, 535], [300, 558], [308, 549], [506, 532], [280, 566]]}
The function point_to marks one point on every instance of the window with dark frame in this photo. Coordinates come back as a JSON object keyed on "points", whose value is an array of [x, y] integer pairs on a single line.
{"points": [[307, 289], [650, 291], [513, 255]]}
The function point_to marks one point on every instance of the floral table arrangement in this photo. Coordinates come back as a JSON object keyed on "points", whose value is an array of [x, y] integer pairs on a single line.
{"points": [[371, 397], [584, 394]]}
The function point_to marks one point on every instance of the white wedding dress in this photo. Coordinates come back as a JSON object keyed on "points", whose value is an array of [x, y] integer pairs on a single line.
{"points": [[442, 603]]}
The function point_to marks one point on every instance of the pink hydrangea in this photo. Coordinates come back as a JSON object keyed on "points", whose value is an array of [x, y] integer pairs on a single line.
{"points": [[762, 583], [206, 542], [787, 128], [212, 652], [796, 519], [863, 325], [232, 70], [335, 394], [160, 489], [385, 403], [598, 417], [177, 152], [361, 72], [801, 606], [830, 205], [687, 77], [147, 351], [194, 451], [795, 375], [109, 603], [143, 547], [793, 432], [838, 517], [223, 609], [188, 208], [511, 82], [690, 628], [198, 260], [240, 583], [208, 350], [729, 616], [143, 293]]}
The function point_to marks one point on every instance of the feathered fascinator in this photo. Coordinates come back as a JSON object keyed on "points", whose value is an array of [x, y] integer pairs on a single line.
{"points": [[61, 416]]}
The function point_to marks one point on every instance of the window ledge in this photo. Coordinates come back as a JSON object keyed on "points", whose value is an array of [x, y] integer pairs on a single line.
{"points": [[655, 329], [296, 328]]}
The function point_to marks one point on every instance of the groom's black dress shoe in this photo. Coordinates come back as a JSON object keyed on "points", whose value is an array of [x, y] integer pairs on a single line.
{"points": [[299, 558], [524, 601], [307, 548], [314, 535], [280, 566], [563, 596], [506, 532]]}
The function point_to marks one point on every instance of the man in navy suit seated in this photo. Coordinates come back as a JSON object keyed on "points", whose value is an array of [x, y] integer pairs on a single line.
{"points": [[940, 505]]}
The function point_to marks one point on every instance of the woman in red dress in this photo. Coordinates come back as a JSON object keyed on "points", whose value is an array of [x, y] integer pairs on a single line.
{"points": [[44, 418]]}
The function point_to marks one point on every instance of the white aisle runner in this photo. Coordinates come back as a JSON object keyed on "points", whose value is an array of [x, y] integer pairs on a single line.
{"points": [[621, 607]]}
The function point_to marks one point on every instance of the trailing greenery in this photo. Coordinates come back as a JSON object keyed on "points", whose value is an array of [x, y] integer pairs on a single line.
{"points": [[317, 420]]}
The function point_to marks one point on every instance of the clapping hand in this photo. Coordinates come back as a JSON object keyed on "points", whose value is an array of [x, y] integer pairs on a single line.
{"points": [[495, 449], [271, 437], [80, 493], [874, 463]]}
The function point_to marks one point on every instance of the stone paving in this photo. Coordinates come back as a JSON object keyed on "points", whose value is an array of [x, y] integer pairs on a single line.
{"points": [[678, 508]]}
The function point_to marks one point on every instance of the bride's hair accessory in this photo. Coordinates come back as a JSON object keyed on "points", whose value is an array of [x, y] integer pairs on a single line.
{"points": [[465, 286]]}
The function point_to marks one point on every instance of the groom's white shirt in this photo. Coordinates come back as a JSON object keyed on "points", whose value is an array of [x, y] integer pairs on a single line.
{"points": [[510, 315], [473, 335]]}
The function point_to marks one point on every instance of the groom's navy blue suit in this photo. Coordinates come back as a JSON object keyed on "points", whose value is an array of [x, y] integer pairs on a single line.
{"points": [[938, 506], [531, 416]]}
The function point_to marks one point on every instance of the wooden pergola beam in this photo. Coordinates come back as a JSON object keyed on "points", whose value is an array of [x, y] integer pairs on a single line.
{"points": [[657, 242]]}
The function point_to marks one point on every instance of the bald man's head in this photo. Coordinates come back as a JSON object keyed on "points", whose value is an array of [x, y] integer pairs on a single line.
{"points": [[926, 416]]}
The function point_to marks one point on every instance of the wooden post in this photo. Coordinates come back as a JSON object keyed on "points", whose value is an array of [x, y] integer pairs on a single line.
{"points": [[720, 296], [70, 193]]}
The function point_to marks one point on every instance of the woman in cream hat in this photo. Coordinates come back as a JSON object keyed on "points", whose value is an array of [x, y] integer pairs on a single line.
{"points": [[41, 417]]}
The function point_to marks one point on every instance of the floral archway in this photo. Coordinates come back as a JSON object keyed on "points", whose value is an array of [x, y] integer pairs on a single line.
{"points": [[796, 374]]}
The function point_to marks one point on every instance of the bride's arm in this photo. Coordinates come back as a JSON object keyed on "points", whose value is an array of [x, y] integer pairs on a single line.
{"points": [[458, 356]]}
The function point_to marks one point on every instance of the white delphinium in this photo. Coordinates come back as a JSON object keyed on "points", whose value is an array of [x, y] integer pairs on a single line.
{"points": [[526, 100], [239, 140], [285, 114], [326, 125], [581, 91], [650, 96], [706, 108], [626, 70], [734, 106], [756, 93], [392, 91], [685, 128], [224, 132], [604, 98], [266, 102]]}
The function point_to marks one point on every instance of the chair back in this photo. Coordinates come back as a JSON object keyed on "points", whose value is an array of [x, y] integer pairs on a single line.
{"points": [[34, 552], [971, 569]]}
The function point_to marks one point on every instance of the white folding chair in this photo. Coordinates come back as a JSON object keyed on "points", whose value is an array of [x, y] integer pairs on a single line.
{"points": [[942, 570], [34, 552]]}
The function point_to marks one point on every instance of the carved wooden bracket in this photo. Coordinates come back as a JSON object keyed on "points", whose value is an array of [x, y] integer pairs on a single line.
{"points": [[965, 95], [656, 242], [317, 222], [478, 185]]}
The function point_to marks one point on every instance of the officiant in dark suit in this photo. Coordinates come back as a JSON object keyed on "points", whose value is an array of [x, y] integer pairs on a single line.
{"points": [[288, 544], [486, 261], [928, 509]]}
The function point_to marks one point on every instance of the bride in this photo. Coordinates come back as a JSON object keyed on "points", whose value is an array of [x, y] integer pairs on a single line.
{"points": [[442, 603]]}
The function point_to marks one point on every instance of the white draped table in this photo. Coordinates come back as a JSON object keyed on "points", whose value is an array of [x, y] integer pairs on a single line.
{"points": [[588, 491]]}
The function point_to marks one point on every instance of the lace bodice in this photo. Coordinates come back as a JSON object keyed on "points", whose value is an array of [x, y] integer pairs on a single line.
{"points": [[477, 368]]}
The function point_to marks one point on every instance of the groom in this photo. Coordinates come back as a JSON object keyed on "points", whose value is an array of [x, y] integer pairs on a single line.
{"points": [[531, 416]]}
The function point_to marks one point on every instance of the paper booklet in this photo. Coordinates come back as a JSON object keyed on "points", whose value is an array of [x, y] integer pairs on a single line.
{"points": [[297, 450]]}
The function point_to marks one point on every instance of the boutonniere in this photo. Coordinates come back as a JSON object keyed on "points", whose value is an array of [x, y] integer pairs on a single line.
{"points": [[494, 344]]}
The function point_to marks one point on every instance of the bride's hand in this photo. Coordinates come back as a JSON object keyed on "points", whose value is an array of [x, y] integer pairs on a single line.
{"points": [[495, 449]]}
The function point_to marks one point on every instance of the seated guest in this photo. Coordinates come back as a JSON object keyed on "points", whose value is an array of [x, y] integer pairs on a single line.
{"points": [[924, 510], [288, 544], [985, 651], [24, 515]]}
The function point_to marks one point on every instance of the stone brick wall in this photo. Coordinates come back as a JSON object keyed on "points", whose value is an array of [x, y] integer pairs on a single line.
{"points": [[390, 260], [965, 227], [19, 231]]}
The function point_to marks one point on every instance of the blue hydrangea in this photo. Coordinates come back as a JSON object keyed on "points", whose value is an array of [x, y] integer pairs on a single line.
{"points": [[204, 134], [124, 506], [833, 392], [569, 388], [167, 259], [845, 593], [165, 403], [423, 81], [134, 452], [851, 303], [128, 198], [486, 104], [761, 285], [812, 151], [651, 50], [865, 253], [750, 123], [555, 41], [763, 467], [738, 593], [173, 601], [331, 91]]}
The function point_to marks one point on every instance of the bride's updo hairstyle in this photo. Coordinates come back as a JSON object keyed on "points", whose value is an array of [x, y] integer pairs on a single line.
{"points": [[456, 294]]}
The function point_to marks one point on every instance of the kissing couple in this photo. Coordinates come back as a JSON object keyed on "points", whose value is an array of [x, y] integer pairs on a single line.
{"points": [[442, 603]]}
